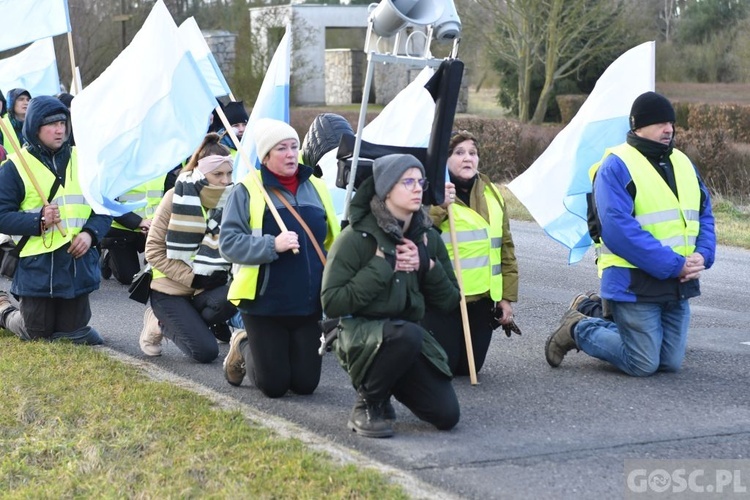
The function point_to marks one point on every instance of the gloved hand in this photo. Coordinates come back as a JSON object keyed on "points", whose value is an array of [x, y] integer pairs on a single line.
{"points": [[511, 327], [497, 314], [215, 280]]}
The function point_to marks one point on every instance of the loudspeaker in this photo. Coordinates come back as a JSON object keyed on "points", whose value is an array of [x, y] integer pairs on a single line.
{"points": [[448, 27], [391, 16]]}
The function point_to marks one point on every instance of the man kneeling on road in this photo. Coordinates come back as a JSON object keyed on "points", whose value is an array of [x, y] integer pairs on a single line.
{"points": [[56, 272], [653, 214]]}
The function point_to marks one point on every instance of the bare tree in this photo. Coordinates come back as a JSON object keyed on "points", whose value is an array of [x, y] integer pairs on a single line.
{"points": [[560, 36]]}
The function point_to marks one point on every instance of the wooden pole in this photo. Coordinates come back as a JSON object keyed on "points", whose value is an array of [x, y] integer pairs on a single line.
{"points": [[464, 311], [76, 83], [11, 135], [252, 171]]}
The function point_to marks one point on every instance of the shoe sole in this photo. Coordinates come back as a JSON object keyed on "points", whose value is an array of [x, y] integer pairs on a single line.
{"points": [[370, 434], [546, 352], [235, 384]]}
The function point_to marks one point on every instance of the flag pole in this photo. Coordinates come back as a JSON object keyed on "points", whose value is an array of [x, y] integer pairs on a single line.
{"points": [[11, 135], [252, 171], [464, 310], [73, 64]]}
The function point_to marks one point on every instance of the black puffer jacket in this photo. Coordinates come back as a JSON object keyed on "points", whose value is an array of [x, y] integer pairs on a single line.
{"points": [[323, 135]]}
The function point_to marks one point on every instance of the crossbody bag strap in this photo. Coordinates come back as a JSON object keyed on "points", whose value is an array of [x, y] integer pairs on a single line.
{"points": [[302, 223]]}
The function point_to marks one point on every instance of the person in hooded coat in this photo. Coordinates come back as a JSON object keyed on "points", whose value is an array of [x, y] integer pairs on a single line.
{"points": [[383, 271], [18, 101], [56, 272]]}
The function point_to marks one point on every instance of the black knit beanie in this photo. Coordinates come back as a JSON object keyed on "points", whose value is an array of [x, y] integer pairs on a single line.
{"points": [[649, 108], [235, 112]]}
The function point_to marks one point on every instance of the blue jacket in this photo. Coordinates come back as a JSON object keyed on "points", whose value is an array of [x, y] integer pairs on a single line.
{"points": [[288, 284], [54, 274], [655, 278]]}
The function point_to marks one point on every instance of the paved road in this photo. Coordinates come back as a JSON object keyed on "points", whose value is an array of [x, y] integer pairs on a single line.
{"points": [[527, 430]]}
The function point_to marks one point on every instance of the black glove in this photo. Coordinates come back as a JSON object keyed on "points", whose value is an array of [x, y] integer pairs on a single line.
{"points": [[497, 315], [215, 280]]}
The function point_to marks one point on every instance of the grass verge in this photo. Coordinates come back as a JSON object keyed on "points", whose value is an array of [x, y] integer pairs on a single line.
{"points": [[76, 423], [732, 219]]}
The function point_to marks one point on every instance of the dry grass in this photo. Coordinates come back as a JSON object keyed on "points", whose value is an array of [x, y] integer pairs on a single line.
{"points": [[738, 93]]}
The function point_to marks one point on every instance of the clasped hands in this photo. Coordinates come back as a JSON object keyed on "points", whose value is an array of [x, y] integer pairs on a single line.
{"points": [[410, 256], [694, 264]]}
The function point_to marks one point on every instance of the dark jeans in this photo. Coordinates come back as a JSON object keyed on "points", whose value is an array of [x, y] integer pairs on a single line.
{"points": [[185, 320], [448, 329], [123, 247], [281, 353], [52, 319], [399, 368]]}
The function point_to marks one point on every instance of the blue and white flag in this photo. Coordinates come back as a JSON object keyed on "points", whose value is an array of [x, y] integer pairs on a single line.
{"points": [[33, 69], [193, 39], [554, 187], [272, 102], [144, 115], [24, 21]]}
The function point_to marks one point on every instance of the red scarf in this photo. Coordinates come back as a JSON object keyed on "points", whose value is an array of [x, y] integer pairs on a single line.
{"points": [[289, 183]]}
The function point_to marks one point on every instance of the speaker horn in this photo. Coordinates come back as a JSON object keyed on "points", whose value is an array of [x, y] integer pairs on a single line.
{"points": [[391, 16], [448, 26]]}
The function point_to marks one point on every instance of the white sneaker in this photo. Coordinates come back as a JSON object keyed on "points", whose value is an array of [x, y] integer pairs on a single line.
{"points": [[150, 340]]}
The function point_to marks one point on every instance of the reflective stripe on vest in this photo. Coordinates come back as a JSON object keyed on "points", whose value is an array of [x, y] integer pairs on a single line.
{"points": [[151, 192], [674, 222], [245, 281], [74, 212], [479, 246]]}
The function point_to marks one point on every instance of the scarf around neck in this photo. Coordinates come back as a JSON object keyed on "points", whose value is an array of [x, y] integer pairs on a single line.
{"points": [[193, 230]]}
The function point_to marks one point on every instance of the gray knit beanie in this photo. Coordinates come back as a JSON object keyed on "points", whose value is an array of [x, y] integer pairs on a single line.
{"points": [[387, 170]]}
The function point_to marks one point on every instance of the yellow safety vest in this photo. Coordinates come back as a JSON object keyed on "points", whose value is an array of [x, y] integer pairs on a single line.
{"points": [[245, 281], [7, 144], [151, 192], [479, 245], [74, 211], [674, 222]]}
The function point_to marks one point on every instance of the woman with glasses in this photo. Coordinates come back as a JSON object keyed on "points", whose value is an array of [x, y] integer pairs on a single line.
{"points": [[383, 270], [489, 269]]}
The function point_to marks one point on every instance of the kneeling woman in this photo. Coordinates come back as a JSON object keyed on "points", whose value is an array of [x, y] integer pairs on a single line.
{"points": [[277, 290], [382, 271], [189, 288]]}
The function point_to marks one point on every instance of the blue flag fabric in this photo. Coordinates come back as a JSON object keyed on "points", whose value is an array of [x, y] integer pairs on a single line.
{"points": [[133, 126], [554, 187], [33, 69], [193, 39], [24, 21], [272, 102]]}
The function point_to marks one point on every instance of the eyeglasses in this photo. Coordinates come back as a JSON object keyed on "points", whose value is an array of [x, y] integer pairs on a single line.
{"points": [[411, 183]]}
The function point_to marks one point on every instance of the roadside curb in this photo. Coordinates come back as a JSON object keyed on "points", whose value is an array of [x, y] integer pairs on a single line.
{"points": [[414, 487]]}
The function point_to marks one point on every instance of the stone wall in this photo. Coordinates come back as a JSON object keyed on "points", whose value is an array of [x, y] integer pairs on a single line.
{"points": [[345, 76], [222, 45]]}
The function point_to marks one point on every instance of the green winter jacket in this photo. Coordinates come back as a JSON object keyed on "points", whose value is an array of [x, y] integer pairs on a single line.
{"points": [[365, 291]]}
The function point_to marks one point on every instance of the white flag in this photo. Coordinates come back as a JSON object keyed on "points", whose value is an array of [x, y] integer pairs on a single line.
{"points": [[24, 21], [133, 126], [554, 187], [33, 69]]}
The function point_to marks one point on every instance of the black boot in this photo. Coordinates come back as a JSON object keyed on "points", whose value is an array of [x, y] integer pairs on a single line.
{"points": [[389, 412], [221, 331], [368, 420], [104, 264]]}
